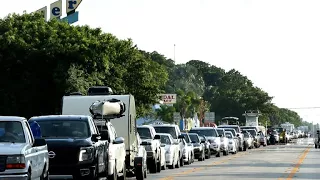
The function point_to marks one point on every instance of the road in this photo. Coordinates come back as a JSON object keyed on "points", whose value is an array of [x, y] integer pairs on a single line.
{"points": [[298, 160]]}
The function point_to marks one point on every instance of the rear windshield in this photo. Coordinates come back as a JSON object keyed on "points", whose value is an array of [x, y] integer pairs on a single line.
{"points": [[231, 130], [186, 138], [231, 127], [194, 138], [220, 132], [166, 129], [204, 132], [144, 133]]}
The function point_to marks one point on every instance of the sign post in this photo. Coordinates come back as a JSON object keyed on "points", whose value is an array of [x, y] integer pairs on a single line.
{"points": [[168, 98]]}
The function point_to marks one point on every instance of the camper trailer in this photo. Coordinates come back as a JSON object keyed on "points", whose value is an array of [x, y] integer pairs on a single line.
{"points": [[125, 126]]}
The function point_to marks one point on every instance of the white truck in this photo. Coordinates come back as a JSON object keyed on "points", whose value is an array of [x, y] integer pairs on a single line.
{"points": [[124, 125], [287, 126], [152, 145], [22, 156]]}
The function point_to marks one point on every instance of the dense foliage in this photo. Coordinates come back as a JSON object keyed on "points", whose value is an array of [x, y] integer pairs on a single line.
{"points": [[42, 61]]}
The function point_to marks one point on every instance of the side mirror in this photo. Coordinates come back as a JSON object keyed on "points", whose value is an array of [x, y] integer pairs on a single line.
{"points": [[220, 135], [95, 137], [203, 141], [181, 137], [145, 143], [163, 145], [157, 136], [39, 142], [118, 140], [238, 135]]}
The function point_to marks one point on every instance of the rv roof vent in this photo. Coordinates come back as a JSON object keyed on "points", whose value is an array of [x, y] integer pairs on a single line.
{"points": [[99, 90], [75, 94]]}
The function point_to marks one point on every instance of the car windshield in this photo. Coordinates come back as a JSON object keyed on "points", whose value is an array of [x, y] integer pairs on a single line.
{"points": [[246, 135], [231, 131], [165, 140], [11, 131], [231, 127], [56, 128], [204, 132], [166, 129], [194, 138], [186, 138], [144, 133], [252, 132]]}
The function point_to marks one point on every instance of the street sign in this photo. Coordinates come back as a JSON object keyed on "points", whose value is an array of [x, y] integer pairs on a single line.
{"points": [[72, 18], [176, 117], [168, 98], [209, 116]]}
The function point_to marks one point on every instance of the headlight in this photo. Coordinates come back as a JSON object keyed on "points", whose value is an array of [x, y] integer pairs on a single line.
{"points": [[16, 162], [86, 154]]}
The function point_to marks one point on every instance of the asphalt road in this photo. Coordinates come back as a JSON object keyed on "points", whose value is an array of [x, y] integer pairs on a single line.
{"points": [[297, 160]]}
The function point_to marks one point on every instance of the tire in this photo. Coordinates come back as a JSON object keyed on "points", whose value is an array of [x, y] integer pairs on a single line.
{"points": [[29, 175], [114, 176], [153, 167], [181, 162], [178, 163], [225, 153], [218, 154], [140, 174], [159, 166], [124, 172], [44, 176]]}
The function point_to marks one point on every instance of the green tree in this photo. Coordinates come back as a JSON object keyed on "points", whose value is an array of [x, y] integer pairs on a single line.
{"points": [[42, 61], [165, 113]]}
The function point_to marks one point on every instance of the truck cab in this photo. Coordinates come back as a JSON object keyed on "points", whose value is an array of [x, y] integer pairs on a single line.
{"points": [[22, 156], [76, 148]]}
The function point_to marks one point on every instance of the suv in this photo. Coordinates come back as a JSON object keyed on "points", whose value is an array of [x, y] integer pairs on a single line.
{"points": [[212, 136], [240, 135], [176, 135]]}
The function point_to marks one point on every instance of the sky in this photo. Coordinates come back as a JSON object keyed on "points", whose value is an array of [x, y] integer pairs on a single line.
{"points": [[275, 43]]}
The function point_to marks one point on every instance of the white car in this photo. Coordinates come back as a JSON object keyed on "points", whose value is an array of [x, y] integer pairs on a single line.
{"points": [[232, 143], [224, 141], [142, 153], [187, 152], [172, 150], [188, 148], [249, 139]]}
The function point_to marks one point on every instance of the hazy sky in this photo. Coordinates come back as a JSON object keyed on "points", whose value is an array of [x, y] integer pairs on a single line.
{"points": [[276, 43]]}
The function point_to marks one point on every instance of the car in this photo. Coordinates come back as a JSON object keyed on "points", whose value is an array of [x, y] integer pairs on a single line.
{"points": [[232, 142], [172, 150], [199, 148]]}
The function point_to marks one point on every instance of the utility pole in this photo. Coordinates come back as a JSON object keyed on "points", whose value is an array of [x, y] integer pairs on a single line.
{"points": [[174, 52]]}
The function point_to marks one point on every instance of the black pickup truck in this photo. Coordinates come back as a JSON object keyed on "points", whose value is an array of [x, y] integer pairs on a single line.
{"points": [[75, 146]]}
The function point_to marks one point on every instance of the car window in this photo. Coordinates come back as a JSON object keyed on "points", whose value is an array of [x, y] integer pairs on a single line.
{"points": [[12, 131]]}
